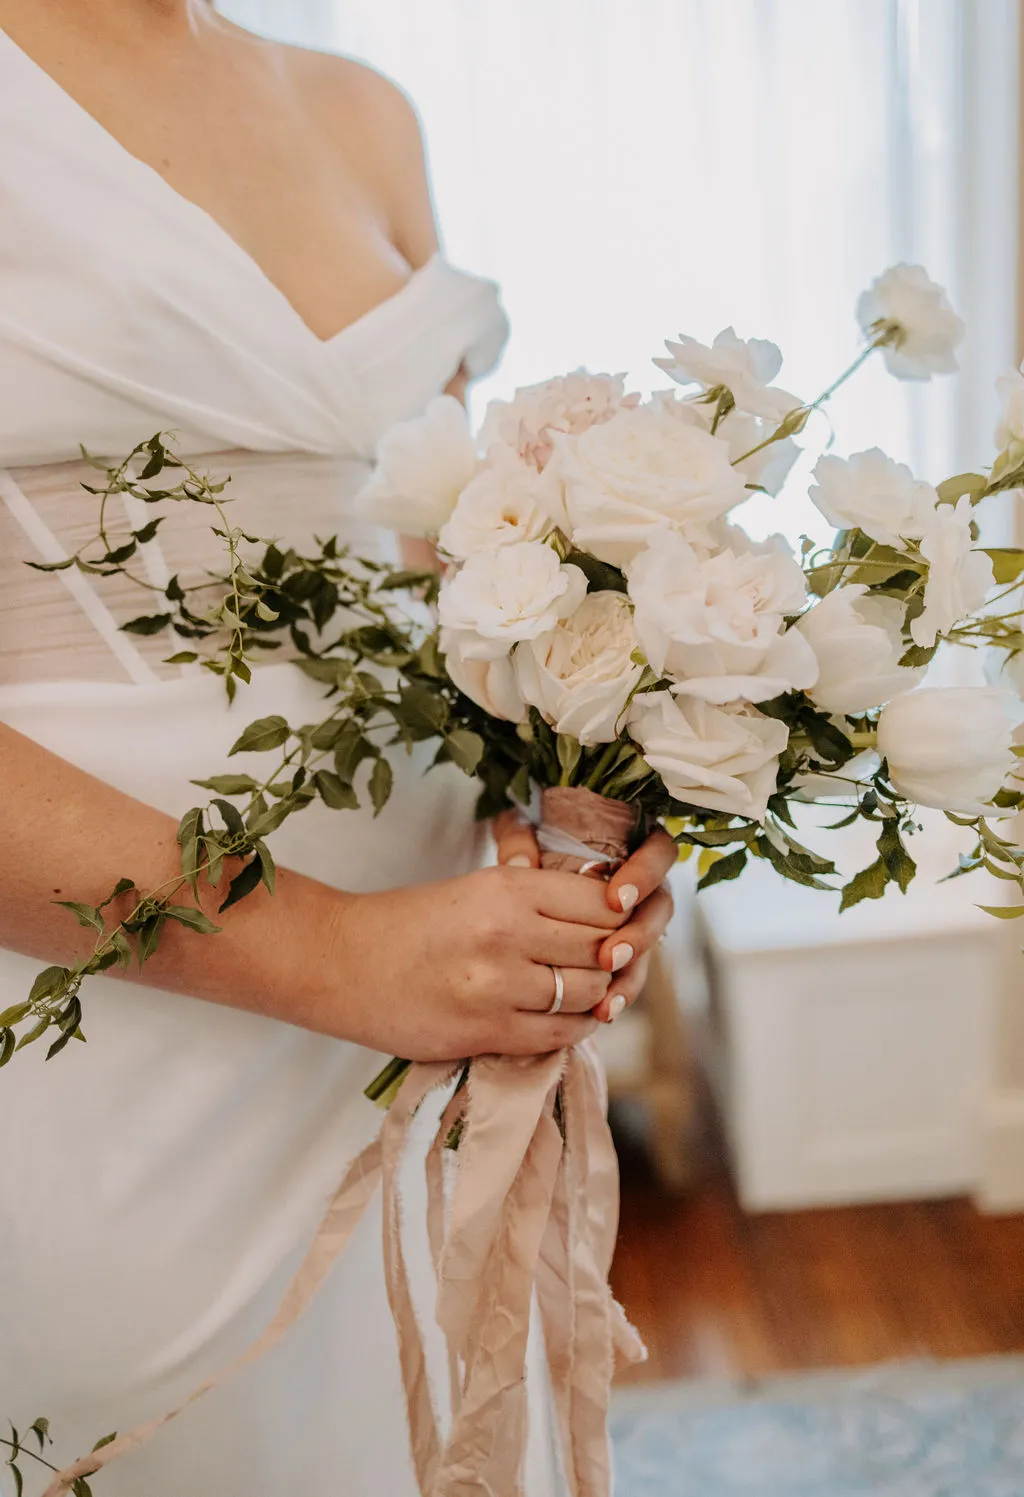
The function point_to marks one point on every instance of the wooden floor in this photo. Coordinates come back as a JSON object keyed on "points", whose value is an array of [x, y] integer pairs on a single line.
{"points": [[717, 1293]]}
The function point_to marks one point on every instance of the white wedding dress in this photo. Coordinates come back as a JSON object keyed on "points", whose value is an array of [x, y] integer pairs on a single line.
{"points": [[161, 1183]]}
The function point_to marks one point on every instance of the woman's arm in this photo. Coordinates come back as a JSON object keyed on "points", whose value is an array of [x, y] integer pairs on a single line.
{"points": [[455, 968]]}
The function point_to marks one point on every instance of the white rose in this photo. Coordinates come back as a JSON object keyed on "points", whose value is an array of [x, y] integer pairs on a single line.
{"points": [[1010, 427], [496, 508], [722, 758], [422, 467], [648, 466], [858, 642], [871, 492], [949, 747], [510, 593], [569, 404], [769, 468], [715, 623], [745, 367], [958, 576], [489, 683], [915, 311], [580, 674]]}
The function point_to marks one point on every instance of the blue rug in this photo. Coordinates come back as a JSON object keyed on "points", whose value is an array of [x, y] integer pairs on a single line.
{"points": [[911, 1430]]}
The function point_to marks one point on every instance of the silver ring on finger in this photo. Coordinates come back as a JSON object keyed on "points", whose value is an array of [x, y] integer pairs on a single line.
{"points": [[559, 998]]}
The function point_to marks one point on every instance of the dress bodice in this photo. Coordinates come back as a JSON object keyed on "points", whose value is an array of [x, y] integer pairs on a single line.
{"points": [[126, 309]]}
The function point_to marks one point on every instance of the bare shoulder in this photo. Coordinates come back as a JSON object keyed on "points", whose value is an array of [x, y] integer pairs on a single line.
{"points": [[377, 132]]}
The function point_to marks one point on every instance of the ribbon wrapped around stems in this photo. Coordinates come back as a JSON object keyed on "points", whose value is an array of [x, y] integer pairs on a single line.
{"points": [[533, 1210]]}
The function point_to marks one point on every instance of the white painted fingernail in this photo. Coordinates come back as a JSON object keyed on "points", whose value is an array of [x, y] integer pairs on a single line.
{"points": [[622, 955], [615, 1008], [519, 861], [628, 896]]}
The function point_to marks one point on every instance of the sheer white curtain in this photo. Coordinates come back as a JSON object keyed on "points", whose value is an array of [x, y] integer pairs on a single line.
{"points": [[630, 169]]}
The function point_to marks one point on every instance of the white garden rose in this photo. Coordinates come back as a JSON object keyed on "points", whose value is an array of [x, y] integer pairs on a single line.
{"points": [[569, 404], [496, 508], [580, 674], [508, 594], [768, 468], [915, 311], [949, 747], [422, 467], [958, 576], [648, 467], [715, 623], [858, 642], [721, 758], [746, 367], [489, 683], [871, 492], [1010, 427]]}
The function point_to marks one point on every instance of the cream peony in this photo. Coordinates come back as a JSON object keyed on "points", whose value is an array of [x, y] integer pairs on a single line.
{"points": [[958, 576], [858, 642], [580, 674], [569, 404], [507, 594], [915, 311], [715, 623], [722, 758], [497, 508], [422, 467], [949, 747], [648, 467], [871, 492], [745, 367], [489, 683]]}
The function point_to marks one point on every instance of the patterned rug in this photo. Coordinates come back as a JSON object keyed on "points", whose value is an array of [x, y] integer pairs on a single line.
{"points": [[951, 1429]]}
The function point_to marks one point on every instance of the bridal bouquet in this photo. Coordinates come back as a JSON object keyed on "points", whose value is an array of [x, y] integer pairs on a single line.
{"points": [[611, 651]]}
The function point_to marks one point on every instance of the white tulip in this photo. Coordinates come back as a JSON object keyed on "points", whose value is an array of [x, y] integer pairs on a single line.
{"points": [[489, 683], [580, 674], [720, 758], [422, 467], [745, 367], [496, 508], [949, 747], [958, 576], [871, 492], [649, 466], [916, 312], [858, 642], [508, 594], [715, 623]]}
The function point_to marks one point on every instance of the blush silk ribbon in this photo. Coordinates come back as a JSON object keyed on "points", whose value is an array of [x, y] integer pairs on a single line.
{"points": [[533, 1211]]}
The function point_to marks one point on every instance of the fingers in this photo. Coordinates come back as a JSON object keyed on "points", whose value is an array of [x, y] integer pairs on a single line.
{"points": [[640, 933], [582, 988], [641, 874], [623, 991], [579, 901], [537, 1034], [515, 842]]}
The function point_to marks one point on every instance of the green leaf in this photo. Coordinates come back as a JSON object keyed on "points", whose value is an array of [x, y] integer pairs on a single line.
{"points": [[49, 983], [334, 792], [191, 918], [381, 780], [1003, 911], [81, 1488], [725, 868], [148, 624], [268, 869], [51, 566], [465, 748], [832, 746], [19, 1481], [190, 830], [519, 787], [41, 1429], [15, 1014], [8, 1045], [86, 914], [899, 865], [243, 883], [59, 1043], [569, 754], [952, 489], [868, 884], [228, 784], [106, 1440], [260, 736], [601, 577], [183, 657], [918, 655], [1007, 562]]}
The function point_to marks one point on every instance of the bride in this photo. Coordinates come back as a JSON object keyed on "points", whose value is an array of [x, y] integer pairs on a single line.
{"points": [[210, 233]]}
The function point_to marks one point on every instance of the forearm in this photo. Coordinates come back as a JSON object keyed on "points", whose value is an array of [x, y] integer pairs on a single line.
{"points": [[66, 835]]}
